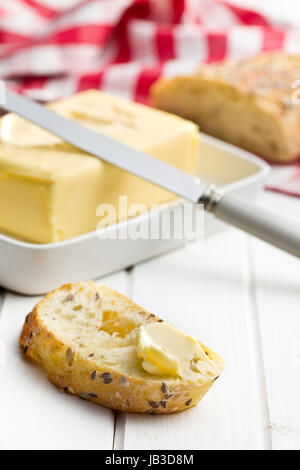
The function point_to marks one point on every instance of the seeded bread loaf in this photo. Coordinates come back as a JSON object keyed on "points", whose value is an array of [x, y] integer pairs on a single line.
{"points": [[251, 103], [84, 337]]}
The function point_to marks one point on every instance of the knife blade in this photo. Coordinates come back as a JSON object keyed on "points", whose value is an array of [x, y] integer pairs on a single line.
{"points": [[276, 230], [105, 148]]}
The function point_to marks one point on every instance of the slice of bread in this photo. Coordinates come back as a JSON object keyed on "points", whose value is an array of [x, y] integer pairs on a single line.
{"points": [[85, 336], [251, 103]]}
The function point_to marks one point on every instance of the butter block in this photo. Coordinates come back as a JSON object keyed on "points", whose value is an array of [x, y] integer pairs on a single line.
{"points": [[50, 191]]}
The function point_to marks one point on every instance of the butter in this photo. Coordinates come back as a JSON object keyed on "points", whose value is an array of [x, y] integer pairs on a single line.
{"points": [[17, 131], [165, 350], [49, 190]]}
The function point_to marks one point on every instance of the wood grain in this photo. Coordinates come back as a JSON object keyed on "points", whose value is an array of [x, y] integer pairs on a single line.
{"points": [[277, 287]]}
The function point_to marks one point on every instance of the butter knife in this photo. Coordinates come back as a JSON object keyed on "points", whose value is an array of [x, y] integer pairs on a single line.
{"points": [[256, 221]]}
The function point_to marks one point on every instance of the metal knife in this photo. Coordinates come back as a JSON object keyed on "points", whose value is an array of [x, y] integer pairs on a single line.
{"points": [[268, 226]]}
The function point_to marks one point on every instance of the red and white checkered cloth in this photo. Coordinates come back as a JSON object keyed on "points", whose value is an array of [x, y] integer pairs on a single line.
{"points": [[54, 48]]}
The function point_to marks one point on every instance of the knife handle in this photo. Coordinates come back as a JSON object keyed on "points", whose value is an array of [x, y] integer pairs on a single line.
{"points": [[256, 221]]}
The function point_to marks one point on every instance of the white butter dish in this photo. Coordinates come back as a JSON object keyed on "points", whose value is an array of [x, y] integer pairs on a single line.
{"points": [[34, 269]]}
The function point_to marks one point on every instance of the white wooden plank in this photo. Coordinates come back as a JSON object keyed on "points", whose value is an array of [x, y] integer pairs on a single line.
{"points": [[33, 414], [203, 292], [277, 285]]}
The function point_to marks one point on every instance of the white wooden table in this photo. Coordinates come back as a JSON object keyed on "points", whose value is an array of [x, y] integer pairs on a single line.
{"points": [[239, 296]]}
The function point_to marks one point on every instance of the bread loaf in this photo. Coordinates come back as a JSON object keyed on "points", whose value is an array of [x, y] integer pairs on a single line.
{"points": [[251, 103]]}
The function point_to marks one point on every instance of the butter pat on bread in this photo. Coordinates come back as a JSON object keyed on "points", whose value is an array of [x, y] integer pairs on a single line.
{"points": [[165, 350], [94, 342]]}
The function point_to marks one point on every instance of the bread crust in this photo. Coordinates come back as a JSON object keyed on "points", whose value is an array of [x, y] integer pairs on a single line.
{"points": [[76, 375], [249, 103]]}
